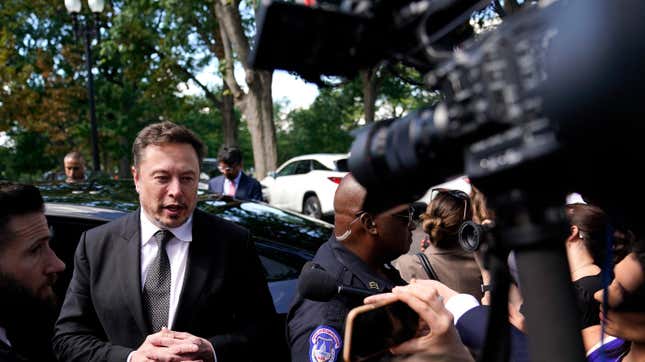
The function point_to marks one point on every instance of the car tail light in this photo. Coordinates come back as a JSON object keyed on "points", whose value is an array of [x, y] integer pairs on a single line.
{"points": [[335, 180]]}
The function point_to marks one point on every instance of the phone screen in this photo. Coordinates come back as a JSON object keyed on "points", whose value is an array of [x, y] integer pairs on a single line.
{"points": [[373, 329]]}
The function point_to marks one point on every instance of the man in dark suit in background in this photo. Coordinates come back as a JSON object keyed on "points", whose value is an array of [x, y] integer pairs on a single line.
{"points": [[28, 272], [234, 181], [167, 282]]}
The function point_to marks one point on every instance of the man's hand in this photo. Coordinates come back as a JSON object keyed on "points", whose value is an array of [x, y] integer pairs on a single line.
{"points": [[441, 336], [171, 346], [203, 350]]}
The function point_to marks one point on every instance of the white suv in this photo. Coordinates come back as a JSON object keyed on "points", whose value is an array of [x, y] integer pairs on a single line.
{"points": [[306, 183]]}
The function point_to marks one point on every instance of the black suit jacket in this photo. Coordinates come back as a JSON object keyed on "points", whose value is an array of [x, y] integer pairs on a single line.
{"points": [[8, 355], [248, 188], [472, 330], [225, 298]]}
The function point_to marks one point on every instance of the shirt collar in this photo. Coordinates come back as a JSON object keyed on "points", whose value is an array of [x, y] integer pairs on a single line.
{"points": [[183, 232], [3, 337], [364, 273], [236, 180]]}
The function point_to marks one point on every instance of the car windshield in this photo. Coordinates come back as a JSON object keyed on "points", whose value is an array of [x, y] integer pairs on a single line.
{"points": [[118, 195], [269, 223]]}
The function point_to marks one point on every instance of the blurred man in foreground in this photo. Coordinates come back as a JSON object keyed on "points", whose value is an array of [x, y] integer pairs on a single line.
{"points": [[74, 167], [358, 255], [28, 271]]}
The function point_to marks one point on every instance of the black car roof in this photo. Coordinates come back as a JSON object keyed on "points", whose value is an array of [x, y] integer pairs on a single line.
{"points": [[81, 211]]}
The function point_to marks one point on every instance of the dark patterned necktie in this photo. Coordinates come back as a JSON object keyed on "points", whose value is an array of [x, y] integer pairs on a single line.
{"points": [[156, 290]]}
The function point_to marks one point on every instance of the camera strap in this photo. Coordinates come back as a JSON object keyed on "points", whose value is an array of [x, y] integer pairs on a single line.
{"points": [[425, 263]]}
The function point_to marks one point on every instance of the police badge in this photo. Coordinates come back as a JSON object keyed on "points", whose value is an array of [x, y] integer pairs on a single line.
{"points": [[324, 344]]}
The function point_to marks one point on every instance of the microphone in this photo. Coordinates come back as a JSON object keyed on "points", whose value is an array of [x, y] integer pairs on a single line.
{"points": [[318, 285]]}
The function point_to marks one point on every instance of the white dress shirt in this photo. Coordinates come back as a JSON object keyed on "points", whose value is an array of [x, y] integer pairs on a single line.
{"points": [[3, 337], [459, 304], [227, 183], [177, 249]]}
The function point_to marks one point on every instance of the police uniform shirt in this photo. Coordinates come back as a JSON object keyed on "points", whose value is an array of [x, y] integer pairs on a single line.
{"points": [[315, 330]]}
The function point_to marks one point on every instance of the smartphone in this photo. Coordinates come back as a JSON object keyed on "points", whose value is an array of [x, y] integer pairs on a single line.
{"points": [[371, 329]]}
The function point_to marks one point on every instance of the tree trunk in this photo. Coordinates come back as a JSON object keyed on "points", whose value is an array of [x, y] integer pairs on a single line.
{"points": [[258, 112], [368, 79], [229, 123], [256, 104]]}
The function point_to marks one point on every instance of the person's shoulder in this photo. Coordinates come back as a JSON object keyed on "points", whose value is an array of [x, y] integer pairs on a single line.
{"points": [[125, 223], [325, 257], [212, 223], [250, 178], [215, 179]]}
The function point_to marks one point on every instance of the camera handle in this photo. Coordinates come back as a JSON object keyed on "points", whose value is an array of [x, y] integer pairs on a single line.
{"points": [[534, 229], [497, 346]]}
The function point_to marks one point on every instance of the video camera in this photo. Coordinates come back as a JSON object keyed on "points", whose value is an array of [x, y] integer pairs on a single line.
{"points": [[548, 103]]}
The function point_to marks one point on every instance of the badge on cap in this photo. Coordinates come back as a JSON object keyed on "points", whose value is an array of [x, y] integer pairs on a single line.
{"points": [[324, 344]]}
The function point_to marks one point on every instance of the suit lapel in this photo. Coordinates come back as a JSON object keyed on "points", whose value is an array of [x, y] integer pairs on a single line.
{"points": [[130, 269], [241, 187], [200, 259]]}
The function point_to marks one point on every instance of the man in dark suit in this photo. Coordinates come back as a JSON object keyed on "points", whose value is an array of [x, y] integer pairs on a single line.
{"points": [[28, 272], [234, 181], [167, 282]]}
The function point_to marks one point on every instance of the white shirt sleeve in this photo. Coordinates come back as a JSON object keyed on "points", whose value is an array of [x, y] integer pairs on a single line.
{"points": [[460, 304]]}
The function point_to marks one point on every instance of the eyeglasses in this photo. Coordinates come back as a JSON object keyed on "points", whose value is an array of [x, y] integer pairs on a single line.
{"points": [[348, 232], [225, 169], [457, 194], [407, 215]]}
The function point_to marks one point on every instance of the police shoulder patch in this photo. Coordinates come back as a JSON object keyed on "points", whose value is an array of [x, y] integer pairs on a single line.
{"points": [[324, 344]]}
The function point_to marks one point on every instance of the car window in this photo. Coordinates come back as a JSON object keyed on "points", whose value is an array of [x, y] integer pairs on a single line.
{"points": [[303, 167], [319, 166], [289, 169], [66, 232], [341, 165], [279, 264]]}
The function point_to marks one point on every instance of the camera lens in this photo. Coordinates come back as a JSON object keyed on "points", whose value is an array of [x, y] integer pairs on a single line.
{"points": [[470, 235]]}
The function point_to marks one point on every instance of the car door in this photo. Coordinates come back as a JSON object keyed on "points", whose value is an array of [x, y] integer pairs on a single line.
{"points": [[66, 232], [290, 188], [276, 188]]}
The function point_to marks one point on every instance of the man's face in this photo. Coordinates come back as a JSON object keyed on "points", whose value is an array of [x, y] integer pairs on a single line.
{"points": [[395, 230], [167, 180], [27, 260], [74, 170], [229, 171]]}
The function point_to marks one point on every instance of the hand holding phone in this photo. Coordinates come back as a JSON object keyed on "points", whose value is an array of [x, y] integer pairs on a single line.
{"points": [[423, 297], [371, 329]]}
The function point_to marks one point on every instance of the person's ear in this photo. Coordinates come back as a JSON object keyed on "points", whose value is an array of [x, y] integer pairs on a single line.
{"points": [[135, 176], [573, 236], [369, 224]]}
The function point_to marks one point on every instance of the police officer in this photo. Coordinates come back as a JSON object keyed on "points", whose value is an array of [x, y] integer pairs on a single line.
{"points": [[358, 255]]}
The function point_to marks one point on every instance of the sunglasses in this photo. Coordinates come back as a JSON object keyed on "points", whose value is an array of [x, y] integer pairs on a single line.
{"points": [[406, 215], [226, 169], [457, 194]]}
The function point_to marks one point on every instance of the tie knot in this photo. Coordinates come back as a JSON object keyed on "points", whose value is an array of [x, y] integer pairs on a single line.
{"points": [[163, 236]]}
